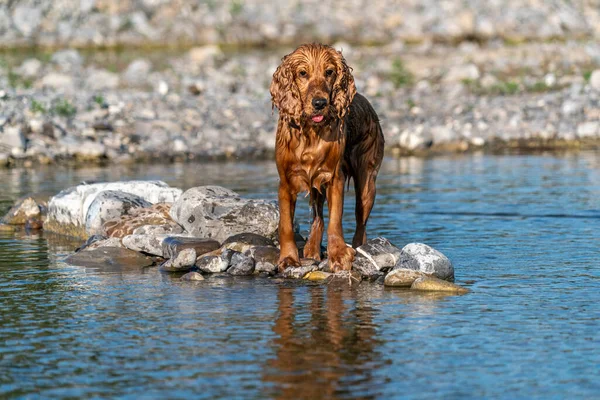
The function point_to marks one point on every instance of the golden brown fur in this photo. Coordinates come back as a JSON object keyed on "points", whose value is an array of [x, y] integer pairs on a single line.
{"points": [[327, 133]]}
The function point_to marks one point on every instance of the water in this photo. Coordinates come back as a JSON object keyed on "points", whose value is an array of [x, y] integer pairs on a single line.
{"points": [[522, 232]]}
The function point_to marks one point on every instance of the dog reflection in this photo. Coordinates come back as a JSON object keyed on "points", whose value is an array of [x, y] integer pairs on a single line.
{"points": [[321, 345]]}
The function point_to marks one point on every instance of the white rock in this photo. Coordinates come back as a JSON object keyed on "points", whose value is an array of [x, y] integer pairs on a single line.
{"points": [[107, 205], [58, 81], [595, 80], [30, 67], [102, 80], [588, 129], [423, 258], [460, 73], [205, 55]]}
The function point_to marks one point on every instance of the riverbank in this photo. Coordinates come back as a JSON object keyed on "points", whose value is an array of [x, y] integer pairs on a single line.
{"points": [[207, 103]]}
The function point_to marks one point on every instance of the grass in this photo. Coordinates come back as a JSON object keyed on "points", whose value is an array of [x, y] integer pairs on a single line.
{"points": [[37, 107], [99, 99], [236, 7], [64, 108], [15, 81], [399, 75], [587, 75]]}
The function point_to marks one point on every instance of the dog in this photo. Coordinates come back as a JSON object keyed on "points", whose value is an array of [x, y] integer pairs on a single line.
{"points": [[327, 133]]}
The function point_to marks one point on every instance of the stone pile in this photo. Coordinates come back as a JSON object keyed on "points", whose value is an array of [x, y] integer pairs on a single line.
{"points": [[209, 230]]}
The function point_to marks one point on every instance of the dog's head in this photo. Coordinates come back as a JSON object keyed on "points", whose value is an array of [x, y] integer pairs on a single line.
{"points": [[312, 85]]}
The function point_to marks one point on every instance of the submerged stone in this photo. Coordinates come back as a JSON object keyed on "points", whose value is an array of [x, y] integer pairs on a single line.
{"points": [[428, 283], [402, 277], [109, 257], [24, 210], [192, 276]]}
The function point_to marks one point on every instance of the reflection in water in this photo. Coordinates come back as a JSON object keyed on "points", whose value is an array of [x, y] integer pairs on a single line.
{"points": [[321, 354]]}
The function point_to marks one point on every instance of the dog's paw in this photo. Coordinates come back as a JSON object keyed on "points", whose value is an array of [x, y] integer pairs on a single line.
{"points": [[286, 262], [340, 257]]}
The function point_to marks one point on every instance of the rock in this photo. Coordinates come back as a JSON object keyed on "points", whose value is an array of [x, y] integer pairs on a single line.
{"points": [[459, 73], [173, 245], [183, 261], [101, 80], [241, 265], [205, 55], [218, 213], [98, 241], [265, 258], [156, 218], [238, 246], [402, 277], [316, 276], [137, 72], [366, 267], [23, 210], [67, 60], [151, 244], [595, 80], [192, 276], [420, 257], [109, 257], [6, 228], [307, 265], [344, 278], [27, 19], [212, 264], [67, 211], [108, 205], [588, 129], [30, 68], [427, 283], [13, 140], [380, 252], [58, 81], [249, 238]]}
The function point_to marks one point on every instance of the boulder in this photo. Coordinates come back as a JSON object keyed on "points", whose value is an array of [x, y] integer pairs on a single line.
{"points": [[109, 205], [67, 211], [402, 277], [183, 261], [24, 209], [423, 258], [156, 218], [218, 213], [241, 265], [174, 244], [164, 229], [212, 264], [109, 257], [428, 283], [192, 276], [151, 244]]}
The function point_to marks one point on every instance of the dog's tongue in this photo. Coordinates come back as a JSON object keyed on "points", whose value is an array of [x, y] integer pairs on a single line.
{"points": [[317, 118]]}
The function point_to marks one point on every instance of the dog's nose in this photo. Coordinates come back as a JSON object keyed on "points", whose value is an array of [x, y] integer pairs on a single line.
{"points": [[319, 103]]}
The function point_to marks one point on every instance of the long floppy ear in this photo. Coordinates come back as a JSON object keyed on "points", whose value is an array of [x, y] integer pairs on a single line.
{"points": [[284, 92], [343, 89]]}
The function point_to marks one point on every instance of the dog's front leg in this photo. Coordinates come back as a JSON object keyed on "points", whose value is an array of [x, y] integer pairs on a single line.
{"points": [[340, 255], [288, 254]]}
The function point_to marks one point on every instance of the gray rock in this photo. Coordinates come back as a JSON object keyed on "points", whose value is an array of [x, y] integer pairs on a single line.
{"points": [[192, 276], [380, 252], [12, 140], [30, 68], [595, 80], [163, 229], [265, 258], [183, 261], [109, 257], [428, 283], [137, 72], [110, 204], [402, 277], [27, 19], [241, 265], [218, 213], [24, 209], [461, 73], [300, 272], [58, 81], [68, 59], [103, 242], [366, 267], [250, 238], [589, 129], [101, 80], [344, 278], [151, 244], [212, 264], [175, 244], [420, 257]]}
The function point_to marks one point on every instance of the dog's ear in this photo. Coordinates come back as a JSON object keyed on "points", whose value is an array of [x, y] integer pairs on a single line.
{"points": [[343, 89], [284, 92]]}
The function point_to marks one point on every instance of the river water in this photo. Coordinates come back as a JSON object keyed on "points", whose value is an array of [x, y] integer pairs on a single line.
{"points": [[521, 231]]}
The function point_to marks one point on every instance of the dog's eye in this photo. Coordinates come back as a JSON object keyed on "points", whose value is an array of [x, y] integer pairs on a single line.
{"points": [[329, 72], [303, 73]]}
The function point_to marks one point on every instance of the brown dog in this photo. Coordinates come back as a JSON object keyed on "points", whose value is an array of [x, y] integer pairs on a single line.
{"points": [[326, 134]]}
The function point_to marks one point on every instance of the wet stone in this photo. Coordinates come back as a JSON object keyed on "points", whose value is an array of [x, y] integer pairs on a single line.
{"points": [[183, 261], [344, 278], [241, 265], [316, 276], [145, 243], [109, 257], [108, 205], [265, 257], [192, 276], [306, 265], [381, 252], [169, 228], [428, 283], [366, 267], [212, 264], [6, 228], [249, 238], [173, 245], [423, 258], [402, 277], [23, 210], [155, 219]]}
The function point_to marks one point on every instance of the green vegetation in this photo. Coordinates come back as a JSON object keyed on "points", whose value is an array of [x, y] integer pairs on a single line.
{"points": [[538, 87], [236, 7], [37, 107], [587, 75], [15, 81], [99, 99], [399, 75], [64, 108], [410, 103]]}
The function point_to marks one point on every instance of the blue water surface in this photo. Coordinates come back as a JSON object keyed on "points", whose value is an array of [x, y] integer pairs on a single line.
{"points": [[521, 231]]}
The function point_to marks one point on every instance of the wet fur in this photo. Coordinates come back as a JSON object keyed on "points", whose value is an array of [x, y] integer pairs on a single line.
{"points": [[320, 157]]}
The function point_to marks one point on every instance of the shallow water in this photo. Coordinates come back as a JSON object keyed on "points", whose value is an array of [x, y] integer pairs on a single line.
{"points": [[522, 232]]}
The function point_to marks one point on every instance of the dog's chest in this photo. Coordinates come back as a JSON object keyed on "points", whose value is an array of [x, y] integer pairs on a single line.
{"points": [[315, 164]]}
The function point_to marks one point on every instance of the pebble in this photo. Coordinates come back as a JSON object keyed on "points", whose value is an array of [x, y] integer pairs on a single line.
{"points": [[192, 276]]}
